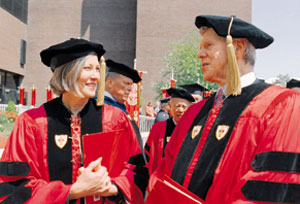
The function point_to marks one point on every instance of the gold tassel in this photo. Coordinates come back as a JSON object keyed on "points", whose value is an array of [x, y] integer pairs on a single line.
{"points": [[101, 84], [233, 82]]}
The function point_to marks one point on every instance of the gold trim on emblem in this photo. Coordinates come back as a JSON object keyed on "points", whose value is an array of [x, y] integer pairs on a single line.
{"points": [[221, 131], [128, 116], [168, 138], [61, 140], [195, 131]]}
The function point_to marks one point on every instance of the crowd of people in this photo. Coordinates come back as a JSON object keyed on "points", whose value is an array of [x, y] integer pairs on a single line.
{"points": [[240, 145]]}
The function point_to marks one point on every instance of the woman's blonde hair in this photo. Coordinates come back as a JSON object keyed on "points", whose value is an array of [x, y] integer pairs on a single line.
{"points": [[65, 77]]}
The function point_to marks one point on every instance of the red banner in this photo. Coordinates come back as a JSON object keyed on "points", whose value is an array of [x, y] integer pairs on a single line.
{"points": [[133, 101], [172, 83], [164, 93], [49, 94], [33, 97], [22, 96]]}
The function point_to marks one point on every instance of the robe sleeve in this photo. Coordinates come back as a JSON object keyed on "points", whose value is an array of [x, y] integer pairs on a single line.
{"points": [[25, 145], [272, 174], [154, 145], [128, 179]]}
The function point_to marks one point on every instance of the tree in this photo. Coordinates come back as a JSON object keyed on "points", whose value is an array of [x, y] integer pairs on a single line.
{"points": [[282, 80], [11, 107], [183, 62]]}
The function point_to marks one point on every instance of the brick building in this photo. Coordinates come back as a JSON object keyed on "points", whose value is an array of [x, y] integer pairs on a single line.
{"points": [[130, 29]]}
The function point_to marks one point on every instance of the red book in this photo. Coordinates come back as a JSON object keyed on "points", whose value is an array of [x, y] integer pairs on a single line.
{"points": [[111, 146], [167, 191]]}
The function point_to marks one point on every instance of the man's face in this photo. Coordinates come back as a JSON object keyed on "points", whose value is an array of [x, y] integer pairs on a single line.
{"points": [[120, 88], [213, 55], [178, 106]]}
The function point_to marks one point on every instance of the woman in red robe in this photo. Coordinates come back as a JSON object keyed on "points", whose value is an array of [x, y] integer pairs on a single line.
{"points": [[42, 161]]}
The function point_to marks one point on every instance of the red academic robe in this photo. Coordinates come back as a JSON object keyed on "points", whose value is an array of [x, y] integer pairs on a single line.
{"points": [[259, 161], [154, 145], [29, 143], [159, 136]]}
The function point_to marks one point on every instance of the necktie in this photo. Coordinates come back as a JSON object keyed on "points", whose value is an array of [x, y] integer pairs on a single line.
{"points": [[76, 147], [219, 98]]}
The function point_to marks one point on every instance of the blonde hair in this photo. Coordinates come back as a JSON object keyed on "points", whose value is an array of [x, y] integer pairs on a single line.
{"points": [[65, 77]]}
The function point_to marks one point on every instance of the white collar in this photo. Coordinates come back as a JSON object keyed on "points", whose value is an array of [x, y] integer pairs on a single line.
{"points": [[106, 93], [246, 80], [174, 121]]}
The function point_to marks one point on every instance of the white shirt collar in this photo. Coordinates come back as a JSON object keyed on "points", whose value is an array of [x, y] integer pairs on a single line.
{"points": [[246, 80], [174, 121], [106, 93]]}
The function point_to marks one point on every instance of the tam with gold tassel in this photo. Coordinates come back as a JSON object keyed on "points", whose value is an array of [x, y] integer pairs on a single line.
{"points": [[101, 84], [233, 81]]}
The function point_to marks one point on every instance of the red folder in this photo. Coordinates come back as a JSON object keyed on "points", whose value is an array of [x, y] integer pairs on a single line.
{"points": [[112, 147], [167, 191]]}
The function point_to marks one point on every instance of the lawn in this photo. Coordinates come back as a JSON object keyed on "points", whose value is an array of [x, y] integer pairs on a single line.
{"points": [[7, 129]]}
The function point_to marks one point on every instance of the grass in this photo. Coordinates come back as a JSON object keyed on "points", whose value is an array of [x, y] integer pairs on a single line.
{"points": [[7, 129]]}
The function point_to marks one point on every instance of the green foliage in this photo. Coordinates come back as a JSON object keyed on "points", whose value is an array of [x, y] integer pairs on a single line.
{"points": [[182, 59], [11, 107], [282, 80], [6, 122], [1, 128], [3, 118]]}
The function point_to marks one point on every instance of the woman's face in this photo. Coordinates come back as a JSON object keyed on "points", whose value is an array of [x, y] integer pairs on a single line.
{"points": [[89, 77]]}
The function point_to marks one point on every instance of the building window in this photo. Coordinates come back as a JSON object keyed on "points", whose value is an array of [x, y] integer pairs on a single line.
{"points": [[9, 84], [22, 53], [18, 8]]}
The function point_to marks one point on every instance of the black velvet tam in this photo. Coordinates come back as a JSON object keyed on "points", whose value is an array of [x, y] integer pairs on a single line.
{"points": [[293, 83], [239, 29], [180, 93], [123, 70], [194, 88], [165, 100], [62, 53]]}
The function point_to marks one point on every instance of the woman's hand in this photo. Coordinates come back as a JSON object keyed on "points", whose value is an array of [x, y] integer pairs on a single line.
{"points": [[111, 191], [92, 180]]}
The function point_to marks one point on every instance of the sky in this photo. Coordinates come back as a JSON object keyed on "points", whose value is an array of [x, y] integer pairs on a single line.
{"points": [[280, 19]]}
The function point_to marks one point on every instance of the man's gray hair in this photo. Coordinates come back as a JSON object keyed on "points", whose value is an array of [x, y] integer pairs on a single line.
{"points": [[65, 77], [162, 105], [250, 55], [112, 75]]}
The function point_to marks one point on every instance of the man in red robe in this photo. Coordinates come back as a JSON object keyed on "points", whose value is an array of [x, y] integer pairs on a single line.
{"points": [[243, 147], [161, 132]]}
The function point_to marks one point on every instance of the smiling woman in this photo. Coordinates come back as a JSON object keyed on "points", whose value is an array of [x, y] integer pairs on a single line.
{"points": [[53, 154]]}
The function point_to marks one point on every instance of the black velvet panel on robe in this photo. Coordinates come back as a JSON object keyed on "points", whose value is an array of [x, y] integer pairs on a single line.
{"points": [[277, 161], [169, 130], [59, 120], [203, 173], [273, 192], [189, 144]]}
